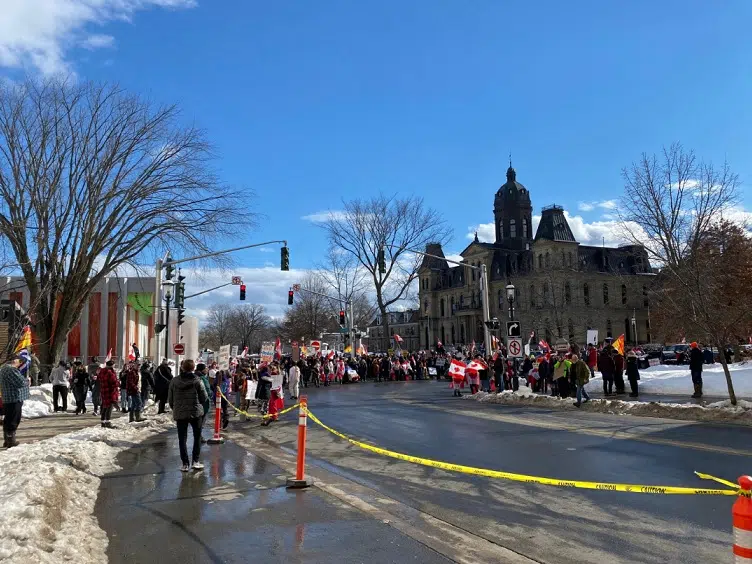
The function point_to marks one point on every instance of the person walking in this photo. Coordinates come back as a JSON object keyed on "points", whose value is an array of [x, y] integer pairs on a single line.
{"points": [[80, 385], [109, 391], [124, 403], [582, 376], [162, 378], [202, 374], [133, 388], [14, 389], [606, 366], [633, 373], [592, 359], [147, 382], [92, 369], [695, 367], [60, 378], [294, 381], [186, 396]]}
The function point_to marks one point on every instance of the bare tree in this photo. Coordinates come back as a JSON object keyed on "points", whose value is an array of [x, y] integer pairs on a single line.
{"points": [[348, 280], [92, 179], [311, 314], [674, 205], [219, 325], [247, 321], [396, 225]]}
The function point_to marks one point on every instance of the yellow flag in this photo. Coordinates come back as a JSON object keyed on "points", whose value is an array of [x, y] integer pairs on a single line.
{"points": [[348, 349], [25, 340], [619, 344]]}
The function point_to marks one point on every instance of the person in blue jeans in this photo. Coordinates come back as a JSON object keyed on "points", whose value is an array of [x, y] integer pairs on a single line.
{"points": [[581, 372]]}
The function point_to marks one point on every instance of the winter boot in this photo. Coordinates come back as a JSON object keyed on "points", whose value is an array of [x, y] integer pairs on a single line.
{"points": [[131, 416], [697, 393], [139, 419], [12, 442], [5, 439]]}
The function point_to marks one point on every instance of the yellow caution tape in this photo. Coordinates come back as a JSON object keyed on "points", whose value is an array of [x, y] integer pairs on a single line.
{"points": [[632, 488], [257, 416]]}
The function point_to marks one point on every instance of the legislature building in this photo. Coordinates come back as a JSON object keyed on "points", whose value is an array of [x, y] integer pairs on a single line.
{"points": [[562, 287]]}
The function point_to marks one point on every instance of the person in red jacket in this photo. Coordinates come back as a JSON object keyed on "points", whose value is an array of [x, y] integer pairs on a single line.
{"points": [[109, 389], [592, 360]]}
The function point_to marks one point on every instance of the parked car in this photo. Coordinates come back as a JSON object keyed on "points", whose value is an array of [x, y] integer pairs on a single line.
{"points": [[675, 354]]}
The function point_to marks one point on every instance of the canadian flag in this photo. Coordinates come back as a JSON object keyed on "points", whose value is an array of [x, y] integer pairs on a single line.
{"points": [[330, 356], [544, 345], [397, 338], [477, 365], [277, 350], [457, 369], [244, 353], [132, 354], [108, 358]]}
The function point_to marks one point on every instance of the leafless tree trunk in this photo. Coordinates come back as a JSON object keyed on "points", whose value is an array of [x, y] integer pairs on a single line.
{"points": [[396, 225], [347, 278], [247, 321], [672, 204], [219, 324], [311, 314], [92, 179]]}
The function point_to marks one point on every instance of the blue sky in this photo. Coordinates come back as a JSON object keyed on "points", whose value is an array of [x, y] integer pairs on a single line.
{"points": [[312, 102]]}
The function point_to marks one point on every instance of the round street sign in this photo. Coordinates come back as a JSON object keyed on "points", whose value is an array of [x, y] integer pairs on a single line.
{"points": [[178, 348], [515, 347]]}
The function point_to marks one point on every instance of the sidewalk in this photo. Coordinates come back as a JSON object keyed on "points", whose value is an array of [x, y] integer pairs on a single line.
{"points": [[236, 510], [40, 428]]}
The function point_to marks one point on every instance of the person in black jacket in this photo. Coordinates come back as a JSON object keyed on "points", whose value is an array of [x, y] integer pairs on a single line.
{"points": [[80, 384], [633, 373], [695, 367], [187, 397], [162, 378], [147, 382]]}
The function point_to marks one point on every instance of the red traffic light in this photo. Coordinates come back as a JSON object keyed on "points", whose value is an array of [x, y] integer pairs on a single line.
{"points": [[341, 317], [242, 291], [290, 297]]}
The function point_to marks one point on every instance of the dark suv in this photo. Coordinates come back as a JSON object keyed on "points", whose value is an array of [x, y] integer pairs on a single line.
{"points": [[675, 354]]}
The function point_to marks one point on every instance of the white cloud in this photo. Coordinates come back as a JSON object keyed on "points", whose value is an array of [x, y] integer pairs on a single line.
{"points": [[98, 41], [40, 33], [486, 232], [324, 216], [608, 204], [604, 204], [585, 206]]}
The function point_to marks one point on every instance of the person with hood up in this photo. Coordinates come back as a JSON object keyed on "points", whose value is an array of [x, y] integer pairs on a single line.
{"points": [[695, 367], [162, 378], [109, 391], [80, 384], [581, 372], [633, 373], [186, 397]]}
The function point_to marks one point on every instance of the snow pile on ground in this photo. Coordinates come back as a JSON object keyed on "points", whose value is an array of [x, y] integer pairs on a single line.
{"points": [[39, 403], [48, 491], [677, 380], [719, 411]]}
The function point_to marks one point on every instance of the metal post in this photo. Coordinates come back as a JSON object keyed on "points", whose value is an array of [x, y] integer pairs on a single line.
{"points": [[157, 308], [168, 297], [486, 308]]}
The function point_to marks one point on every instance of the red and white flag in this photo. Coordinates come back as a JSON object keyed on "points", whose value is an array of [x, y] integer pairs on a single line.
{"points": [[457, 369], [439, 344], [132, 354], [544, 345], [108, 358], [277, 350], [244, 353], [330, 356], [477, 365], [397, 338]]}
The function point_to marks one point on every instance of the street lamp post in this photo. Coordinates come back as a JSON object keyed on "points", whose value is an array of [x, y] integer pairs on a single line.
{"points": [[168, 299], [634, 325], [510, 298]]}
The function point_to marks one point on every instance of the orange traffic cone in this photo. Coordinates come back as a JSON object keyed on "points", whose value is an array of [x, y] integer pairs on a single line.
{"points": [[742, 514]]}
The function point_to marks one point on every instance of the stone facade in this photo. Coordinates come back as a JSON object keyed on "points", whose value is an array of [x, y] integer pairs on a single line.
{"points": [[563, 288], [403, 323]]}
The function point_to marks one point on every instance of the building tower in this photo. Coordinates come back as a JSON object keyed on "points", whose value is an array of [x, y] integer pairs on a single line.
{"points": [[513, 214]]}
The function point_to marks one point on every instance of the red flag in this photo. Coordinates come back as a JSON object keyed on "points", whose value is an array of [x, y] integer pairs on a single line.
{"points": [[132, 354], [330, 356], [244, 353], [477, 365], [457, 370], [438, 343], [397, 338], [109, 356], [277, 350], [544, 345]]}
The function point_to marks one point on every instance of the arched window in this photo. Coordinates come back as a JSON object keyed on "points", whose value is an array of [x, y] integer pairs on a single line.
{"points": [[540, 261], [501, 300], [441, 305], [425, 305], [623, 293], [570, 259], [472, 273], [452, 334], [501, 228], [586, 293], [524, 228], [645, 300], [532, 295], [462, 333], [512, 228], [567, 293], [452, 303], [462, 300], [548, 259], [545, 293], [443, 335], [605, 293], [609, 329], [570, 330]]}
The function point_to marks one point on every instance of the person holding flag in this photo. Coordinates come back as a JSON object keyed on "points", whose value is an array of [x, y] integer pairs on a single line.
{"points": [[457, 372]]}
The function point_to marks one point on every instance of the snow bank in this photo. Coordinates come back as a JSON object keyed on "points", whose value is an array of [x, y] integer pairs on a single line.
{"points": [[39, 403], [48, 491], [677, 380], [719, 411]]}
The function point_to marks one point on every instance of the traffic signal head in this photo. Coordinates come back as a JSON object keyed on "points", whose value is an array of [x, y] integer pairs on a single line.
{"points": [[382, 261], [290, 297], [169, 269], [285, 263], [242, 292], [341, 317], [181, 316]]}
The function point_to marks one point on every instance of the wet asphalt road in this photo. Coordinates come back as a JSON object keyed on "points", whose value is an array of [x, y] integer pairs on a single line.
{"points": [[236, 510], [546, 524]]}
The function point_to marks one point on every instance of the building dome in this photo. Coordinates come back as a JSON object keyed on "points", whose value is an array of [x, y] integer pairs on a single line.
{"points": [[512, 191]]}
